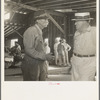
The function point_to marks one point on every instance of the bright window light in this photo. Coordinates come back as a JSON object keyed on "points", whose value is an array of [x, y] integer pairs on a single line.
{"points": [[46, 40], [13, 42], [7, 16]]}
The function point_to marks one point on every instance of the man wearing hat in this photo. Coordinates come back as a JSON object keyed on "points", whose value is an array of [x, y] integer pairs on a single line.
{"points": [[33, 65], [84, 51]]}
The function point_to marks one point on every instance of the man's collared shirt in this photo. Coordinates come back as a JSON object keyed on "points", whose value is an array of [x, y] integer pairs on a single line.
{"points": [[85, 43]]}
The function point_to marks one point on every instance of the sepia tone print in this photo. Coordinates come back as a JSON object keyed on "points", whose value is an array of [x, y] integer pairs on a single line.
{"points": [[50, 40]]}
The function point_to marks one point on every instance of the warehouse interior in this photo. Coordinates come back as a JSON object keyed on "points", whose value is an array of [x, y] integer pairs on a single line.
{"points": [[19, 15]]}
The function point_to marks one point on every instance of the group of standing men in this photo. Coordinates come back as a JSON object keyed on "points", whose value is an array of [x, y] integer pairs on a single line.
{"points": [[61, 49], [83, 60]]}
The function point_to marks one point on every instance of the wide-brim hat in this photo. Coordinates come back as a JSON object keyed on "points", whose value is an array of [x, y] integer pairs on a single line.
{"points": [[41, 14], [82, 16]]}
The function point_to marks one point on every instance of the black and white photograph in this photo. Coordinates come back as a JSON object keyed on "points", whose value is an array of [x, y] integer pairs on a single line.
{"points": [[51, 41]]}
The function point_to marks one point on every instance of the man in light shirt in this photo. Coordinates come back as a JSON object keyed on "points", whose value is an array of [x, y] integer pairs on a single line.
{"points": [[67, 48], [61, 54], [55, 50], [84, 51], [47, 51]]}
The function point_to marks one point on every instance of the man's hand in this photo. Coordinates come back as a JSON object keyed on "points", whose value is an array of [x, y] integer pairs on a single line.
{"points": [[49, 57]]}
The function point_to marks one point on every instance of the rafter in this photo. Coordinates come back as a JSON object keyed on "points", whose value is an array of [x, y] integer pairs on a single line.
{"points": [[86, 10], [6, 31], [17, 32], [29, 2], [12, 31], [22, 5], [70, 6], [58, 4], [85, 7], [74, 8], [32, 8]]}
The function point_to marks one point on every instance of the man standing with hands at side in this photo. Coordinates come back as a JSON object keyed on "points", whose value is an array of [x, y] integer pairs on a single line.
{"points": [[84, 51], [33, 65]]}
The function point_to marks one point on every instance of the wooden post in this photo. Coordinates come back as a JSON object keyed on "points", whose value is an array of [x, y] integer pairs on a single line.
{"points": [[65, 27]]}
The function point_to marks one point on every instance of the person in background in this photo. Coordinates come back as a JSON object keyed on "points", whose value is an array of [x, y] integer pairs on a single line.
{"points": [[55, 50], [18, 46], [47, 51], [8, 58], [46, 47], [16, 49], [16, 52], [61, 54], [33, 64], [84, 52], [67, 48]]}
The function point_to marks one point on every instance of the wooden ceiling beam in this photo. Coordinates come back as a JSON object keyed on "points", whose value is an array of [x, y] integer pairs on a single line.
{"points": [[11, 32], [87, 10], [22, 5], [50, 2], [5, 27], [18, 7], [18, 33], [33, 8], [70, 6], [55, 13], [76, 8], [85, 7], [30, 2], [5, 31], [58, 4], [8, 30]]}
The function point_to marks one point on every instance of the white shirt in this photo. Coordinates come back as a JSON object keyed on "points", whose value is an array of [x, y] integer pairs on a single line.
{"points": [[85, 43]]}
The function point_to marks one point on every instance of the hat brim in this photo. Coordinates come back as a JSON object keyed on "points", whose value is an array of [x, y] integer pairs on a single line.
{"points": [[82, 19]]}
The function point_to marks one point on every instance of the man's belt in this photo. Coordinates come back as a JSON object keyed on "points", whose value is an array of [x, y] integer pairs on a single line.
{"points": [[78, 55]]}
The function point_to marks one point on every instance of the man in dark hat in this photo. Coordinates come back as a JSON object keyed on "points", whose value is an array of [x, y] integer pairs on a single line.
{"points": [[84, 51], [33, 65]]}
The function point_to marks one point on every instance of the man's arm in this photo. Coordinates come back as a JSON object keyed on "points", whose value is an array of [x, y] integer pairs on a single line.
{"points": [[69, 47]]}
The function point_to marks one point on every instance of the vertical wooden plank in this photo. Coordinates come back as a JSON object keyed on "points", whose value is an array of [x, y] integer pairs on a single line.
{"points": [[65, 27]]}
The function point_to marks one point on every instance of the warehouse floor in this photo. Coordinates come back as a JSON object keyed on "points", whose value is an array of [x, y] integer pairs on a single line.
{"points": [[55, 73]]}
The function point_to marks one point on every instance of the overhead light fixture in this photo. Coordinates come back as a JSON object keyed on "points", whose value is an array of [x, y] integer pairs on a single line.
{"points": [[25, 13], [11, 23], [21, 12], [15, 23], [16, 11], [65, 10]]}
